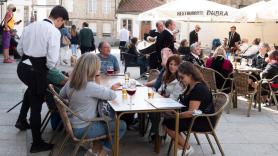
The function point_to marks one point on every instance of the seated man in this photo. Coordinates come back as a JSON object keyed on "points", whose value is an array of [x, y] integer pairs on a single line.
{"points": [[107, 60], [259, 60], [252, 50], [136, 58], [194, 56]]}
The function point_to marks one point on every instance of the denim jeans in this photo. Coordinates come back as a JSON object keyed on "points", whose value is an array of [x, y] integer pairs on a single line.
{"points": [[99, 129], [74, 49]]}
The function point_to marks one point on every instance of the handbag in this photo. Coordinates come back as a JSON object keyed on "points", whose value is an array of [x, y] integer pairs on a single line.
{"points": [[104, 109], [65, 40]]}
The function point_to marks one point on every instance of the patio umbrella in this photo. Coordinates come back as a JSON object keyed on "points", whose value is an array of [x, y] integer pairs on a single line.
{"points": [[192, 10], [270, 12], [250, 13]]}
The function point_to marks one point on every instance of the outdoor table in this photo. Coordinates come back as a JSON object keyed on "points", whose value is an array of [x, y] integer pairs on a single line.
{"points": [[121, 106]]}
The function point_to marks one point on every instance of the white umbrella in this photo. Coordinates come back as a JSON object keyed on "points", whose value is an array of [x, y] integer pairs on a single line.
{"points": [[270, 12], [192, 10], [250, 13]]}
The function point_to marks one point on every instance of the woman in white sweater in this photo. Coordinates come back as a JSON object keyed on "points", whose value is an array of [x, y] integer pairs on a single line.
{"points": [[83, 91], [171, 87]]}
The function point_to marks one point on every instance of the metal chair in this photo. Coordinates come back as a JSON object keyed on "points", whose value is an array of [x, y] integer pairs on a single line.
{"points": [[127, 61], [273, 87], [64, 113], [220, 101], [240, 86]]}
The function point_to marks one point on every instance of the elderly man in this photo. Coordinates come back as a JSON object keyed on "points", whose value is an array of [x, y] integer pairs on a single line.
{"points": [[194, 56], [107, 59], [193, 36]]}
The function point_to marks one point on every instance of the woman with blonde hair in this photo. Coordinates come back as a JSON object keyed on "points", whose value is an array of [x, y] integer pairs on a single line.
{"points": [[219, 63], [84, 91]]}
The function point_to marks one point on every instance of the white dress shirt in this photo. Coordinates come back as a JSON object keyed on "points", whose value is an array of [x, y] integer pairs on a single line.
{"points": [[251, 51], [124, 35], [41, 39]]}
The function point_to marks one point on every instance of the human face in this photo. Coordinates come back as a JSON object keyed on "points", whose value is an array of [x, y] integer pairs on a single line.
{"points": [[197, 50], [59, 22], [262, 50], [160, 27], [105, 49], [233, 30], [197, 28], [185, 79], [172, 26], [173, 67]]}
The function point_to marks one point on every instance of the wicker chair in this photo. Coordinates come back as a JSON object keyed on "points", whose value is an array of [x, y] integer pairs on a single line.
{"points": [[240, 86], [210, 78], [64, 111], [273, 87], [220, 101]]}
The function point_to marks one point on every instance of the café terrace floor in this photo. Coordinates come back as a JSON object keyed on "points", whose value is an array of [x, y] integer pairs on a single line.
{"points": [[239, 135]]}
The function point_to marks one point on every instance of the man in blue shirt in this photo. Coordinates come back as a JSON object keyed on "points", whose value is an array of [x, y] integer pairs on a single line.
{"points": [[106, 58]]}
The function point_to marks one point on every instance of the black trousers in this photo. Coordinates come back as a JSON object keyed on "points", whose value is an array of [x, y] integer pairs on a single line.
{"points": [[155, 61], [35, 78]]}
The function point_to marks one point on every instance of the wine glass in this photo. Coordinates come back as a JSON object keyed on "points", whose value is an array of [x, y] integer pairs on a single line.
{"points": [[131, 89], [110, 69]]}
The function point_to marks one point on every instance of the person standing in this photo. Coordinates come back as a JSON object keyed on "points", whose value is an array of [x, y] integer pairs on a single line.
{"points": [[39, 47], [152, 36], [124, 38], [193, 36], [65, 43], [9, 23], [86, 39], [74, 40], [233, 37]]}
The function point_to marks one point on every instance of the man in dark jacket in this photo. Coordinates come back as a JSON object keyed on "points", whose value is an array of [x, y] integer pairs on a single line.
{"points": [[152, 36], [193, 36], [86, 39], [233, 37], [194, 56]]}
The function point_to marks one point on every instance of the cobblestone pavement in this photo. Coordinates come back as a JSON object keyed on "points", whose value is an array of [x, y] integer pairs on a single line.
{"points": [[238, 134]]}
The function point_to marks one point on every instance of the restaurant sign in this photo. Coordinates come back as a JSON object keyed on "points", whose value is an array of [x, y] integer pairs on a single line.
{"points": [[203, 13]]}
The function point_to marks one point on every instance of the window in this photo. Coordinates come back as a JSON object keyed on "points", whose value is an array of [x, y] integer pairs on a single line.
{"points": [[106, 6], [92, 6], [106, 30], [26, 15], [128, 22], [93, 27], [69, 5]]}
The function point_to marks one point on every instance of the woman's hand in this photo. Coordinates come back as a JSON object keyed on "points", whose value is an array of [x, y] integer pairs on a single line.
{"points": [[116, 86]]}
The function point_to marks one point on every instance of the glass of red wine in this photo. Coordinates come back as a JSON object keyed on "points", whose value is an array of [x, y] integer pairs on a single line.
{"points": [[131, 90], [110, 69]]}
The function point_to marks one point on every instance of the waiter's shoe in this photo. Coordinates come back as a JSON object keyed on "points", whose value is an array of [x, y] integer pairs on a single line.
{"points": [[8, 60], [22, 125], [40, 147]]}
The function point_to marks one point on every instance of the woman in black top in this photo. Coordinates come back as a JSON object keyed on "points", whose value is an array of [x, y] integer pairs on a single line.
{"points": [[196, 97], [74, 40]]}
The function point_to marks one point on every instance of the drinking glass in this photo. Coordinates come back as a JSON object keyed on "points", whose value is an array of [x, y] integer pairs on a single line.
{"points": [[150, 93], [127, 75], [131, 89]]}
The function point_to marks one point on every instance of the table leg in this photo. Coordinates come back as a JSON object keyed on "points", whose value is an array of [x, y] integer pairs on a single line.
{"points": [[177, 133], [116, 139], [142, 117], [235, 100]]}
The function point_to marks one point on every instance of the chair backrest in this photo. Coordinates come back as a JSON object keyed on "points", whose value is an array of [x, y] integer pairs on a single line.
{"points": [[63, 111], [240, 83], [53, 92], [209, 76], [273, 84], [220, 100], [153, 74]]}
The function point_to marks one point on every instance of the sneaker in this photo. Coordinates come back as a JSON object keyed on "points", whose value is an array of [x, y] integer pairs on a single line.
{"points": [[22, 125], [8, 60], [187, 153], [40, 147]]}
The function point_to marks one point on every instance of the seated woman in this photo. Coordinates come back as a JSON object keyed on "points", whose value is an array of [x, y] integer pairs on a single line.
{"points": [[195, 97], [171, 87], [83, 91], [271, 69], [136, 57], [259, 60], [219, 63], [184, 48]]}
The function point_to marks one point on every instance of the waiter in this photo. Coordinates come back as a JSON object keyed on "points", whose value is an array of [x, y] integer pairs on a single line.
{"points": [[193, 36], [39, 46], [233, 37], [152, 36]]}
